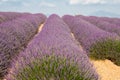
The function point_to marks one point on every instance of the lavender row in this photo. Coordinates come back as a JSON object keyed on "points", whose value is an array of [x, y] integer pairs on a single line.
{"points": [[98, 43], [6, 16], [115, 21], [24, 27], [102, 24], [85, 32], [15, 35], [57, 51]]}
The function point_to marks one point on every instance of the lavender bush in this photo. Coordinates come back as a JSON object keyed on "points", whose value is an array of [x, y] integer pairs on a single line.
{"points": [[115, 21], [15, 35], [7, 16], [53, 55], [24, 28], [102, 24], [98, 43], [8, 45], [35, 19]]}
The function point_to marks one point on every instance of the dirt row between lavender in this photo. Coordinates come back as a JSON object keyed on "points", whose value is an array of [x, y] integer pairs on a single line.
{"points": [[107, 70]]}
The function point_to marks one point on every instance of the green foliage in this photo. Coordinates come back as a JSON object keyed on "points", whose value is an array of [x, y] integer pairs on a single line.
{"points": [[107, 49], [50, 68]]}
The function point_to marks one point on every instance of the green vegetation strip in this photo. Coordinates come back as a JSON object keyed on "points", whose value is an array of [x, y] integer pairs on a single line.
{"points": [[50, 68], [107, 49]]}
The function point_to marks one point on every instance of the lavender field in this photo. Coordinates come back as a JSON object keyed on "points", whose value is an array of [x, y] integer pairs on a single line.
{"points": [[37, 47]]}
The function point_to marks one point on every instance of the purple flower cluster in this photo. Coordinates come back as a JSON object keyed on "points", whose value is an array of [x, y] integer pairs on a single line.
{"points": [[15, 35], [102, 24], [87, 33], [55, 38]]}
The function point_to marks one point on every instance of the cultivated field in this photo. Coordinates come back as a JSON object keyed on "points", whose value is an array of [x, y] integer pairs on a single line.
{"points": [[36, 47]]}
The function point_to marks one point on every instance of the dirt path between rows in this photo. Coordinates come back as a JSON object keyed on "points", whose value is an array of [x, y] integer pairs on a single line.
{"points": [[40, 28], [77, 42], [107, 70]]}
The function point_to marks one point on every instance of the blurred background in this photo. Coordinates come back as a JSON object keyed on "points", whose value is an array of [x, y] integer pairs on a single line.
{"points": [[108, 8]]}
